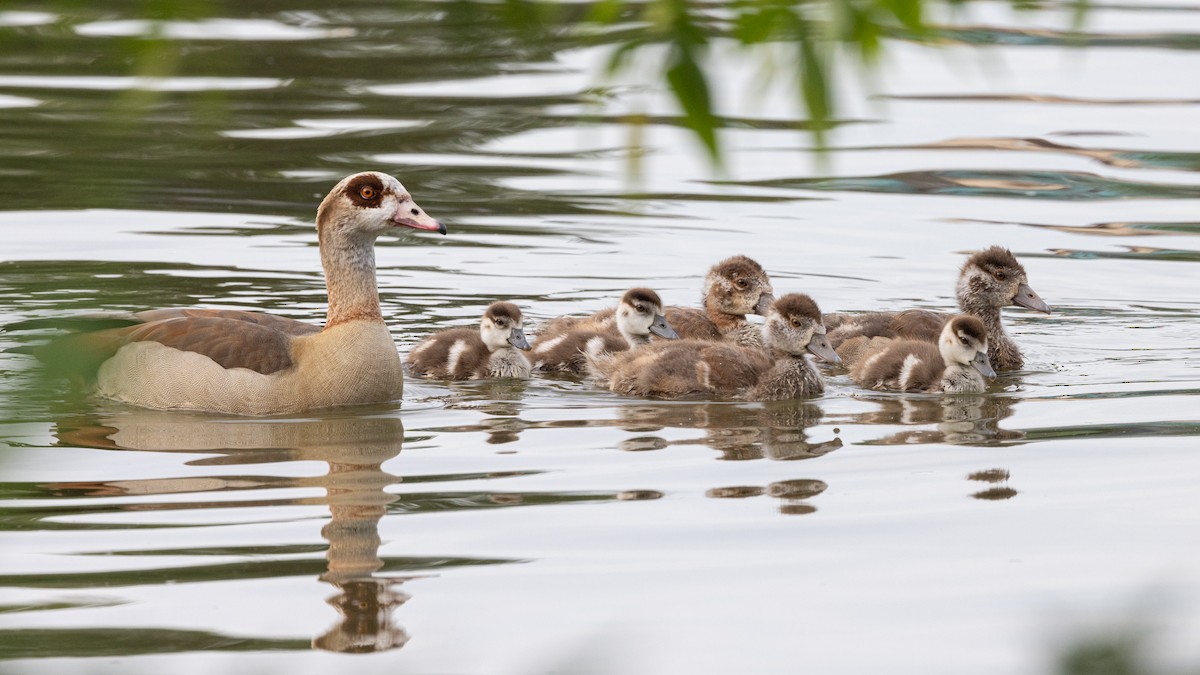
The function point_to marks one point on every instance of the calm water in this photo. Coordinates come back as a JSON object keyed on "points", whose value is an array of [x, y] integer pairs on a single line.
{"points": [[545, 526]]}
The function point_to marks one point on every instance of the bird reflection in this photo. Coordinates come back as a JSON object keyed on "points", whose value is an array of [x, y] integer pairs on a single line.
{"points": [[354, 448], [773, 430], [999, 490], [963, 419]]}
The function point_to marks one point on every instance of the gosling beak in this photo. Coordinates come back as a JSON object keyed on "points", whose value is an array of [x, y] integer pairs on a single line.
{"points": [[418, 220], [819, 347], [662, 329], [516, 338], [763, 304], [1027, 297], [983, 365]]}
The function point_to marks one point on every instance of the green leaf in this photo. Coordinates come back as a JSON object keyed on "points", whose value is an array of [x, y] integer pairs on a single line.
{"points": [[690, 87]]}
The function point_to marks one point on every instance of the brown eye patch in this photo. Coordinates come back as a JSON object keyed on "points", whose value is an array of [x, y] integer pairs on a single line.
{"points": [[366, 191]]}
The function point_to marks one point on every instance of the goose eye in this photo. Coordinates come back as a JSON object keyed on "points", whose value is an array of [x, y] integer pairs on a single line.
{"points": [[367, 192], [1000, 275], [796, 323], [965, 341], [741, 283], [641, 309]]}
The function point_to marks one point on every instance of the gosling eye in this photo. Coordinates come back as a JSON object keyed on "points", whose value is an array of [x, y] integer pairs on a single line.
{"points": [[502, 323], [741, 283], [796, 323], [965, 341], [999, 275], [640, 308]]}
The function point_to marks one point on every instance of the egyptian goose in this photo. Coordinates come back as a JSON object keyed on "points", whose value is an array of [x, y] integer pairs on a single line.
{"points": [[957, 364], [470, 354], [638, 316], [733, 288], [685, 367], [249, 363], [989, 280]]}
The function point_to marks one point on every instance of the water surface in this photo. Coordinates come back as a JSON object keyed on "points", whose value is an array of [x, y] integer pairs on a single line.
{"points": [[499, 527]]}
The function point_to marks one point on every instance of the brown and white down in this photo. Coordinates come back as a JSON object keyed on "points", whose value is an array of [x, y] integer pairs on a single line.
{"points": [[250, 363], [470, 354], [781, 370], [956, 364], [638, 315], [989, 280], [733, 288]]}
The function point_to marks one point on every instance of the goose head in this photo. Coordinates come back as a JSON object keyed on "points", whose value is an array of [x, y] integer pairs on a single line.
{"points": [[368, 204], [964, 342], [992, 278], [501, 327], [738, 286], [640, 313], [794, 326]]}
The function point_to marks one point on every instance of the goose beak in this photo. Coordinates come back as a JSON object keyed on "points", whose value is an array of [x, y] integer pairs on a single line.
{"points": [[983, 365], [517, 339], [418, 220], [763, 304], [819, 347], [1027, 297], [662, 329]]}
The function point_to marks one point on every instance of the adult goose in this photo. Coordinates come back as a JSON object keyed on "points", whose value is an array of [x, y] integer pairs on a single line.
{"points": [[780, 371], [249, 363], [989, 280]]}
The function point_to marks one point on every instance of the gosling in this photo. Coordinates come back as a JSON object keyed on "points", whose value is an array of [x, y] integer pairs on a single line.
{"points": [[469, 354], [699, 367], [956, 365], [989, 280], [638, 316]]}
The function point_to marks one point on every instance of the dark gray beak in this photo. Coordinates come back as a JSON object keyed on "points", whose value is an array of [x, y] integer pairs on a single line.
{"points": [[983, 365], [1027, 297], [662, 329], [819, 347], [763, 304], [517, 339]]}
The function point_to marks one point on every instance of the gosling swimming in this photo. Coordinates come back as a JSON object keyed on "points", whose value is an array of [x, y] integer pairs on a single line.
{"points": [[957, 364], [638, 315], [689, 367], [474, 354]]}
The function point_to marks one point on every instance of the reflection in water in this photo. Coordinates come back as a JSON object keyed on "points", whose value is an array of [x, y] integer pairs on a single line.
{"points": [[793, 494], [999, 490], [355, 490], [772, 430], [961, 419]]}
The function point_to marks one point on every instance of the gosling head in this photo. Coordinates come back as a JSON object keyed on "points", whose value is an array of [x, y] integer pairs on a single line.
{"points": [[368, 204], [640, 314], [501, 327], [794, 326], [738, 286], [964, 342], [992, 278]]}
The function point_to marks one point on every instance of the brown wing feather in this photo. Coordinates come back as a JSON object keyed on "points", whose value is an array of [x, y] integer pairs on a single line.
{"points": [[232, 343], [229, 342], [692, 323], [279, 323]]}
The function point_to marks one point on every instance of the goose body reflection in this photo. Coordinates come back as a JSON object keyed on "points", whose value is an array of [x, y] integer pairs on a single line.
{"points": [[989, 280], [696, 367], [249, 363], [638, 315], [956, 365], [492, 350]]}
